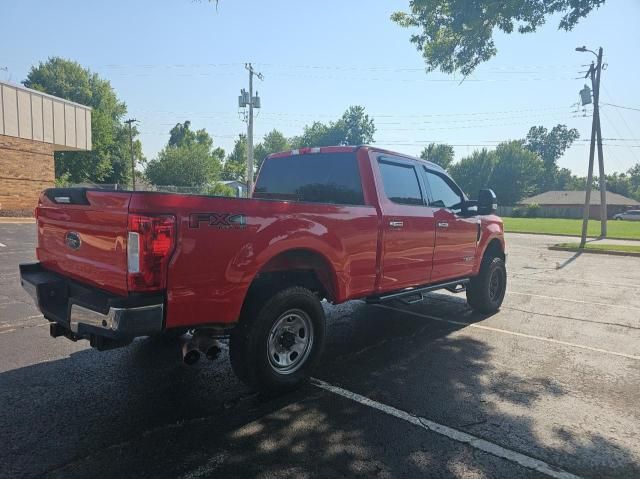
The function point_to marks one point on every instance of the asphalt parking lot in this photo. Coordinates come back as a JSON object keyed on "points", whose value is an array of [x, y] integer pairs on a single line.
{"points": [[548, 387]]}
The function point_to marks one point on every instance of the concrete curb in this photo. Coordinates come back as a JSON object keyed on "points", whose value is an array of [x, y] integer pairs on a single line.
{"points": [[595, 251], [566, 235], [9, 220]]}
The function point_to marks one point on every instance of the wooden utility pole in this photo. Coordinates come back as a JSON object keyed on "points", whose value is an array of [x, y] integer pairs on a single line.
{"points": [[254, 102], [130, 121], [603, 178], [594, 73]]}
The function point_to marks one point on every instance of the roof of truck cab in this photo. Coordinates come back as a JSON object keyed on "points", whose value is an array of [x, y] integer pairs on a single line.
{"points": [[349, 149]]}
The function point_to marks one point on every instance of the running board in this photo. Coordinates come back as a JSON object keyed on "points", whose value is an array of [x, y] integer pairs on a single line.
{"points": [[415, 295]]}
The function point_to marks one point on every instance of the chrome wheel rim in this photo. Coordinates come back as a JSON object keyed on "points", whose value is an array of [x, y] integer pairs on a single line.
{"points": [[290, 341]]}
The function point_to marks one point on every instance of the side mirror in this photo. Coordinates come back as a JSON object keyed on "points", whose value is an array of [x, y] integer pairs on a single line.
{"points": [[487, 202]]}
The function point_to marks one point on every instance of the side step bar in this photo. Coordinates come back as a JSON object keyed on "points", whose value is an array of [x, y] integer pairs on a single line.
{"points": [[415, 295]]}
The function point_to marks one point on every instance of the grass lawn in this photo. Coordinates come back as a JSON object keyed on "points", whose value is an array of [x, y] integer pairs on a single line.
{"points": [[603, 247], [616, 229]]}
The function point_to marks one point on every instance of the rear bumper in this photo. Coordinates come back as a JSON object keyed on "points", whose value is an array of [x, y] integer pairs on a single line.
{"points": [[80, 311]]}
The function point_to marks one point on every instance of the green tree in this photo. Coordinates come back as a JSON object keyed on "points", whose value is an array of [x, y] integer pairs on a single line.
{"points": [[235, 165], [354, 127], [550, 146], [109, 160], [619, 183], [438, 153], [473, 172], [634, 181], [516, 172], [457, 35], [273, 142], [188, 159], [510, 170]]}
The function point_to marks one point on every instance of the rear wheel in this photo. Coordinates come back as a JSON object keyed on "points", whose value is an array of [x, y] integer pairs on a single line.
{"points": [[278, 340], [486, 291]]}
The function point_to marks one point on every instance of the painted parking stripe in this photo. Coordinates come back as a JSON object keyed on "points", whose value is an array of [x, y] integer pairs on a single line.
{"points": [[610, 305], [2, 245], [512, 333], [454, 434]]}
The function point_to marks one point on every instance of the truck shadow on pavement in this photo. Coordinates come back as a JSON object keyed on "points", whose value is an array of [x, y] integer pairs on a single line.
{"points": [[138, 412]]}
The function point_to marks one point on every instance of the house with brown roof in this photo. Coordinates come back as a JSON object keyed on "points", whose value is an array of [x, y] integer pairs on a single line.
{"points": [[570, 204]]}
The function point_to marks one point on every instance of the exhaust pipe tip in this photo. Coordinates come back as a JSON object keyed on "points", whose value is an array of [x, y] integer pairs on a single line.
{"points": [[191, 356], [213, 352]]}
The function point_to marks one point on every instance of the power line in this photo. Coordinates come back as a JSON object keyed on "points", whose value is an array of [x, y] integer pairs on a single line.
{"points": [[620, 106]]}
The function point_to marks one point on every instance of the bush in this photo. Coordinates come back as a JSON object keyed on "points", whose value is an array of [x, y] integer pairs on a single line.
{"points": [[518, 212], [533, 210]]}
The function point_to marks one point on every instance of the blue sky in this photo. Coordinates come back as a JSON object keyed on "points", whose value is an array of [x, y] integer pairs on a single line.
{"points": [[176, 60]]}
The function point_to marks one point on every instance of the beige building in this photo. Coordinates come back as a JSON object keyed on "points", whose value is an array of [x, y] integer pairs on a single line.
{"points": [[32, 126]]}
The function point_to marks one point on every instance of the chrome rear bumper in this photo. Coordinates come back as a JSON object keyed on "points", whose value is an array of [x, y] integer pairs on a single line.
{"points": [[78, 311]]}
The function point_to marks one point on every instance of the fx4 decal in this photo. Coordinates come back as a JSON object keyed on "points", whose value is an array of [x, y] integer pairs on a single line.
{"points": [[217, 220]]}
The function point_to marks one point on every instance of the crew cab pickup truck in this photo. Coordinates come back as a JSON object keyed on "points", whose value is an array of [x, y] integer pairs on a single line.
{"points": [[334, 224]]}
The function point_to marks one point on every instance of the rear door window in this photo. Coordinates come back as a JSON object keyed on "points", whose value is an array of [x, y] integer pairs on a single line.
{"points": [[400, 183], [314, 177]]}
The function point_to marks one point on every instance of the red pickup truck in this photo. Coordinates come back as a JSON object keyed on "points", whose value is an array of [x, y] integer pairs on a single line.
{"points": [[334, 223]]}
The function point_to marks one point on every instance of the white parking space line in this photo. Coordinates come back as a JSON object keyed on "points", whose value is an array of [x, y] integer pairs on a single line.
{"points": [[2, 245], [538, 277], [622, 306], [512, 333], [454, 434]]}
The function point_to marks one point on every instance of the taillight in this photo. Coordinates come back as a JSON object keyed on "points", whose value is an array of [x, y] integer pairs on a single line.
{"points": [[150, 242]]}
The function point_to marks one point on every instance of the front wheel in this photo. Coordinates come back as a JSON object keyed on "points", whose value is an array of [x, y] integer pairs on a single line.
{"points": [[486, 291], [279, 340]]}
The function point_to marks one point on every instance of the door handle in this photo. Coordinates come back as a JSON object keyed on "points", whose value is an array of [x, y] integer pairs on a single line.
{"points": [[396, 224], [443, 224]]}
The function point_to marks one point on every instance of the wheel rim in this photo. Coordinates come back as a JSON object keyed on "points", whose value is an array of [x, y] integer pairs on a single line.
{"points": [[495, 285], [290, 341]]}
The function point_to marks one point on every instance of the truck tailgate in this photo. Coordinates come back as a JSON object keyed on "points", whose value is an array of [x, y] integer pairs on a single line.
{"points": [[82, 234]]}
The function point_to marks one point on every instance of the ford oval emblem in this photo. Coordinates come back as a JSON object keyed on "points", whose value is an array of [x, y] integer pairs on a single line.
{"points": [[72, 240]]}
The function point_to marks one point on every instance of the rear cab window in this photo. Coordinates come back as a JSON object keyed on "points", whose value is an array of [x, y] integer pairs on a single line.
{"points": [[313, 177]]}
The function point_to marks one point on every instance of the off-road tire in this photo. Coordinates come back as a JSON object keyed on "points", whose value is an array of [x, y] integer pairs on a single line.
{"points": [[248, 343], [482, 295]]}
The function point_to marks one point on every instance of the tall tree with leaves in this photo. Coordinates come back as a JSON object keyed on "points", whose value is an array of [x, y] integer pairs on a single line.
{"points": [[235, 165], [510, 170], [550, 146], [188, 159], [109, 160], [273, 142], [457, 35], [354, 127], [516, 172], [438, 153], [473, 172]]}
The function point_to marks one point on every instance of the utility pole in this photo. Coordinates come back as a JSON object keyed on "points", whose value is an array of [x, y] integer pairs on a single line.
{"points": [[594, 73], [253, 102], [130, 121], [603, 178]]}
